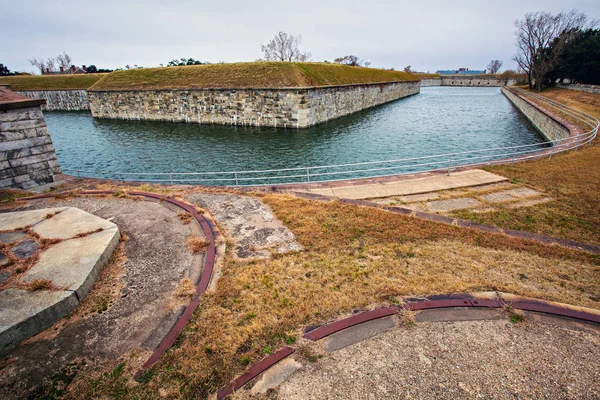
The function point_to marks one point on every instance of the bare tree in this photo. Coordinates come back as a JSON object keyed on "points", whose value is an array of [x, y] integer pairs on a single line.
{"points": [[284, 47], [351, 60], [535, 35], [64, 61], [494, 66], [52, 65]]}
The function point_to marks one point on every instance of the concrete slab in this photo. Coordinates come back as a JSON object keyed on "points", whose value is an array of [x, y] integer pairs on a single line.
{"points": [[419, 197], [276, 375], [75, 264], [356, 192], [511, 194], [357, 333], [459, 314], [70, 223], [24, 314], [452, 204], [530, 203], [22, 219]]}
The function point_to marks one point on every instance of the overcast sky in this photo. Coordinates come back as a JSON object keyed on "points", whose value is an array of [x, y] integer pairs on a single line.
{"points": [[428, 35]]}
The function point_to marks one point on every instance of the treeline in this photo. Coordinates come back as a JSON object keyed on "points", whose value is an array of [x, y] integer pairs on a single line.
{"points": [[555, 47]]}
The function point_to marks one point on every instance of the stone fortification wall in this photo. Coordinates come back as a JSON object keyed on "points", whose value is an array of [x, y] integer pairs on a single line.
{"points": [[60, 100], [294, 107], [431, 82], [545, 124], [581, 87], [466, 80], [27, 156]]}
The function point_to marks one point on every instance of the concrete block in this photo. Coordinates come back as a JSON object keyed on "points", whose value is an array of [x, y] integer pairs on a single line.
{"points": [[70, 223], [75, 264], [22, 219], [23, 314], [276, 375], [357, 333]]}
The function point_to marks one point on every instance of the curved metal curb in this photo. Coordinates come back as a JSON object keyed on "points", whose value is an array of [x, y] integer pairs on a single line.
{"points": [[253, 372], [467, 300], [210, 231], [457, 300]]}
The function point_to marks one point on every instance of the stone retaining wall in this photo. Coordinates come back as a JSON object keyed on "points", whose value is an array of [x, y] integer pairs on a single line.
{"points": [[60, 100], [431, 82], [466, 80], [293, 107], [550, 128], [581, 87], [27, 156]]}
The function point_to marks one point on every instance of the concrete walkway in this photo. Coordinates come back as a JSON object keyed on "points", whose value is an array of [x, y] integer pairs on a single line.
{"points": [[455, 180]]}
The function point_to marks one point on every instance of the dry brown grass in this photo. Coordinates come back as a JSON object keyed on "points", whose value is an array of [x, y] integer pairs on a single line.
{"points": [[354, 257], [185, 288], [39, 284], [571, 179], [185, 217], [197, 244]]}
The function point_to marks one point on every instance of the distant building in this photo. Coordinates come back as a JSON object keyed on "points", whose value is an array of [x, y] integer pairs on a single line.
{"points": [[461, 71]]}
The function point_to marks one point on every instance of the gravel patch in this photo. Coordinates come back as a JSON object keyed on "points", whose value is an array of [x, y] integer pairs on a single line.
{"points": [[470, 359]]}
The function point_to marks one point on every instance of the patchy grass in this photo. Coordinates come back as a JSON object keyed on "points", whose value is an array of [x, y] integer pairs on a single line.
{"points": [[572, 179], [247, 75], [51, 82], [354, 257]]}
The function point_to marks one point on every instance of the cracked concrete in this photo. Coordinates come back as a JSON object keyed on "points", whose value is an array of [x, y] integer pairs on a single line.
{"points": [[249, 222]]}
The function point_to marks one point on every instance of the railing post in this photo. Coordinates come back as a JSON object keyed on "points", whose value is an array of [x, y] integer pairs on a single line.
{"points": [[307, 179], [512, 164], [171, 178], [236, 179]]}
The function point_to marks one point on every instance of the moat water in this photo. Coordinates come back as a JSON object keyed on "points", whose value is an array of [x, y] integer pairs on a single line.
{"points": [[438, 120]]}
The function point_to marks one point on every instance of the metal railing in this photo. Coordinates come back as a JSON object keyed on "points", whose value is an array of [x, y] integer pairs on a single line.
{"points": [[378, 169]]}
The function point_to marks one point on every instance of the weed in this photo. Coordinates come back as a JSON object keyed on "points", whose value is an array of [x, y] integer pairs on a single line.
{"points": [[40, 284], [268, 350], [185, 217], [244, 360], [197, 244], [290, 339]]}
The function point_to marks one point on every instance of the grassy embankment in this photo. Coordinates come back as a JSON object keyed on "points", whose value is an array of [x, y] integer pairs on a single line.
{"points": [[572, 179], [353, 257], [51, 82], [248, 75], [427, 76]]}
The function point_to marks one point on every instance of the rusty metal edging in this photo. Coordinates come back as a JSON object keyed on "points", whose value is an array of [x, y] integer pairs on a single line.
{"points": [[253, 372]]}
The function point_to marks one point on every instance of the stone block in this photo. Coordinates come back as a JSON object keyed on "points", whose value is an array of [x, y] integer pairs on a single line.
{"points": [[75, 264], [22, 219], [357, 333], [70, 223], [24, 314], [276, 375]]}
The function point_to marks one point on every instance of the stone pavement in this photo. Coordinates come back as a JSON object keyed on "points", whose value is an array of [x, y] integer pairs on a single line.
{"points": [[64, 272], [454, 180], [250, 223]]}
